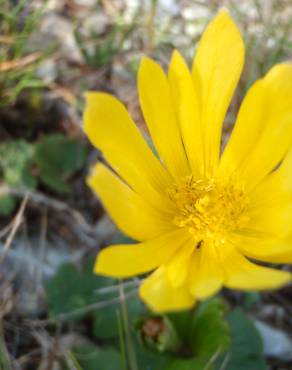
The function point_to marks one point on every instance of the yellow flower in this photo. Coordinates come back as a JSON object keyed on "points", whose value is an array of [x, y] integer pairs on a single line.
{"points": [[199, 217]]}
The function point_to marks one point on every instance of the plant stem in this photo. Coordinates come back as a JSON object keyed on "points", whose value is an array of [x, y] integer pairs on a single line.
{"points": [[130, 347]]}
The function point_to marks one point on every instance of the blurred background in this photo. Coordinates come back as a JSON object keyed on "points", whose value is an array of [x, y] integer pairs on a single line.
{"points": [[54, 314]]}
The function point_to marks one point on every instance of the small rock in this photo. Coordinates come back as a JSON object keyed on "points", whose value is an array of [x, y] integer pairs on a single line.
{"points": [[97, 22], [87, 3], [63, 32], [277, 344], [47, 71]]}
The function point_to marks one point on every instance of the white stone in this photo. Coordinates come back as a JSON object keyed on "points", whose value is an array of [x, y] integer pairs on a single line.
{"points": [[276, 343]]}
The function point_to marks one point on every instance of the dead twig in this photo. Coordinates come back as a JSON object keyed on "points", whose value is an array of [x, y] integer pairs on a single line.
{"points": [[19, 63], [39, 198], [83, 310], [16, 224], [6, 39]]}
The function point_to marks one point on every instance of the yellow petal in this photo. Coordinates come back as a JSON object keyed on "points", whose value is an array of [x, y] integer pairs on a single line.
{"points": [[247, 129], [159, 114], [208, 278], [110, 128], [276, 188], [263, 131], [186, 103], [274, 221], [158, 293], [132, 259], [216, 71], [178, 266], [266, 250], [270, 207], [243, 275], [132, 214]]}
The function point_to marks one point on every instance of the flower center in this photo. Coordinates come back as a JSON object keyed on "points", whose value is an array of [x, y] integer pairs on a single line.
{"points": [[208, 208]]}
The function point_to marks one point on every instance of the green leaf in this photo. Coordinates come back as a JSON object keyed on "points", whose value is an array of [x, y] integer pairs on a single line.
{"points": [[209, 332], [72, 290], [106, 322], [246, 350], [7, 205], [93, 358], [16, 158], [58, 157], [150, 360], [106, 319], [181, 323], [188, 364]]}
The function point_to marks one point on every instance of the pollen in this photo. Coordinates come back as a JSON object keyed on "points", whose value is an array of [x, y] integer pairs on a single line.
{"points": [[208, 208]]}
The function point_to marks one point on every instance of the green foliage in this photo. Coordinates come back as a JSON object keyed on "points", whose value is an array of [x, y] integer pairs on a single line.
{"points": [[54, 158], [93, 358], [72, 290], [16, 157], [98, 51], [196, 334], [199, 339], [209, 332], [204, 331], [105, 320], [7, 205], [246, 350], [151, 360], [18, 65], [188, 364], [101, 53], [57, 158]]}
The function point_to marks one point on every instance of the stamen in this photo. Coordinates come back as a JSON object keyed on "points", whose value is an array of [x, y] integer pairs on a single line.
{"points": [[207, 206]]}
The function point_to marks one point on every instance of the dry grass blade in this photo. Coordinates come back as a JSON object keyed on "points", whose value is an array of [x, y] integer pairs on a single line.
{"points": [[19, 63], [16, 224], [6, 39]]}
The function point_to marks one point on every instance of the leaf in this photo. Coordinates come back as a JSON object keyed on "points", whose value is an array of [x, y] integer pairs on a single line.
{"points": [[16, 158], [246, 350], [181, 323], [72, 290], [106, 320], [7, 205], [209, 332], [150, 360], [58, 157], [93, 358], [188, 364]]}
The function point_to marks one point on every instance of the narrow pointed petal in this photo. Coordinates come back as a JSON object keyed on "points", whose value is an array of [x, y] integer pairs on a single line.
{"points": [[216, 70], [131, 213], [263, 131], [242, 274], [270, 207], [132, 259], [159, 114], [110, 128], [276, 188], [208, 279], [267, 250], [178, 266], [158, 293], [273, 220], [187, 106]]}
